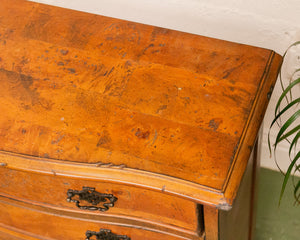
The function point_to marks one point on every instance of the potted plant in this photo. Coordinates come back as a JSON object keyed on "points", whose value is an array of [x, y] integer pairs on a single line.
{"points": [[287, 116]]}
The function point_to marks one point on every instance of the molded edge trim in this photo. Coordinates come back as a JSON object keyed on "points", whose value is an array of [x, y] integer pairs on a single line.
{"points": [[116, 174], [118, 220], [251, 128]]}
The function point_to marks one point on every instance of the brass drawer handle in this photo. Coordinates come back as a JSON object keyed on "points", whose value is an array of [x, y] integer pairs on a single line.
{"points": [[105, 234], [93, 197]]}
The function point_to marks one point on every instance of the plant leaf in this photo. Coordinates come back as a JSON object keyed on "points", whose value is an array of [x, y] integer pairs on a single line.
{"points": [[292, 45], [291, 79], [284, 110], [285, 126], [283, 59], [294, 142], [296, 194], [286, 129], [287, 175], [296, 71], [288, 88], [277, 117], [295, 129]]}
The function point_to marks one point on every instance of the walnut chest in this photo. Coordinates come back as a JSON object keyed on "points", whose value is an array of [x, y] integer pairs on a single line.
{"points": [[111, 129]]}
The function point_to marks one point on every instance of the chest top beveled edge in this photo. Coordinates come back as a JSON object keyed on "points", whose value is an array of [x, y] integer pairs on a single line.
{"points": [[181, 112]]}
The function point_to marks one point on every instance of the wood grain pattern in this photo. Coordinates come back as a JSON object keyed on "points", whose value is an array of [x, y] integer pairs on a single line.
{"points": [[118, 174], [87, 88], [164, 120], [11, 233], [132, 202], [52, 224], [251, 129]]}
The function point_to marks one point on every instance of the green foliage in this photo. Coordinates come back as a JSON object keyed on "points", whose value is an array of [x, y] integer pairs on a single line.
{"points": [[289, 130]]}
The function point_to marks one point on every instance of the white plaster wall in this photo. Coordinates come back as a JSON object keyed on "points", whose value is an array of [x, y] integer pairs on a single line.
{"points": [[272, 24]]}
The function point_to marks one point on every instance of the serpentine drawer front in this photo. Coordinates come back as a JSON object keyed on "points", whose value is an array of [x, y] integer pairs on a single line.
{"points": [[45, 223], [121, 200], [111, 129]]}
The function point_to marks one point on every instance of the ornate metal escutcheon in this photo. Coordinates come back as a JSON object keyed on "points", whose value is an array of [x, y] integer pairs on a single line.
{"points": [[105, 234], [93, 197]]}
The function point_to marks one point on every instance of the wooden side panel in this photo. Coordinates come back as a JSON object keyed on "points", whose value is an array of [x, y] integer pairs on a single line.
{"points": [[254, 187], [239, 222]]}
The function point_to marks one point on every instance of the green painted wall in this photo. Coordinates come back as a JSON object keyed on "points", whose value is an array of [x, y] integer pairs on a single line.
{"points": [[276, 222]]}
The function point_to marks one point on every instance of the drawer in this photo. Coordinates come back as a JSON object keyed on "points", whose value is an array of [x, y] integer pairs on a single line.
{"points": [[132, 202], [46, 223]]}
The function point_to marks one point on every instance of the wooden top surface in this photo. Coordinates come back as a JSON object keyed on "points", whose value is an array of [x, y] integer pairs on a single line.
{"points": [[86, 88]]}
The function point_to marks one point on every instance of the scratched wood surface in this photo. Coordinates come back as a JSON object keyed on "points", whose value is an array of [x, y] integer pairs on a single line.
{"points": [[87, 88]]}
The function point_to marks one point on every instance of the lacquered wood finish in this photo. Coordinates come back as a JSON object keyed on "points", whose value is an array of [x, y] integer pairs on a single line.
{"points": [[164, 120], [45, 223], [87, 88], [132, 202], [11, 233]]}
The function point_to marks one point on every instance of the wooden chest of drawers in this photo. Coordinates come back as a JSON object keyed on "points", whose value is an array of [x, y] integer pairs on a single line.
{"points": [[116, 130]]}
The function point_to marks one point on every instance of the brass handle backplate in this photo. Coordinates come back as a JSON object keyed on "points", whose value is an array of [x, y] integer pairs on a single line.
{"points": [[105, 234], [93, 197]]}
